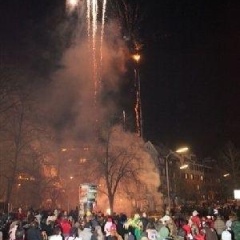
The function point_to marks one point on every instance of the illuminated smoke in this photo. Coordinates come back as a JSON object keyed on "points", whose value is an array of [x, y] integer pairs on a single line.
{"points": [[72, 4], [96, 49]]}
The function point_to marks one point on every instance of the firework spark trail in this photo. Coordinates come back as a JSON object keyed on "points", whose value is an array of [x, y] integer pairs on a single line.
{"points": [[92, 31], [137, 116], [137, 108], [102, 29], [88, 17]]}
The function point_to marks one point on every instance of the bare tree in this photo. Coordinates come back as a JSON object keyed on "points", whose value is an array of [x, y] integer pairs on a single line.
{"points": [[230, 161], [118, 160], [20, 135]]}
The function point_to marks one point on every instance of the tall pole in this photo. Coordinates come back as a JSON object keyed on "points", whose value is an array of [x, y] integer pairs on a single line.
{"points": [[168, 183], [176, 154]]}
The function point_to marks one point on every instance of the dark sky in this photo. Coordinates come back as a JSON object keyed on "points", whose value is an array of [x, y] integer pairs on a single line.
{"points": [[189, 69], [190, 74]]}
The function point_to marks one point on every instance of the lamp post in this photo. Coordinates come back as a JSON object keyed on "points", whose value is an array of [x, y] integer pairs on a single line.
{"points": [[180, 150]]}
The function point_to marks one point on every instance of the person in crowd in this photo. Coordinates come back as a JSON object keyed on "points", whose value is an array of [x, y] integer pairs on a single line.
{"points": [[114, 234], [172, 228], [164, 232], [144, 221], [210, 233], [46, 227], [86, 233], [97, 234], [144, 236], [12, 230], [219, 226], [187, 228], [20, 234], [57, 234], [137, 226], [33, 232], [65, 226], [122, 218], [73, 234], [195, 219], [195, 232], [107, 226], [20, 214], [184, 229], [236, 226], [227, 234], [151, 231], [199, 234]]}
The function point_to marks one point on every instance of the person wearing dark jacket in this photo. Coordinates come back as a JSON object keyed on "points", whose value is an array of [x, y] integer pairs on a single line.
{"points": [[33, 233]]}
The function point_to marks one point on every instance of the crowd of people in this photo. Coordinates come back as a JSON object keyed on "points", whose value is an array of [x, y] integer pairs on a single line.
{"points": [[61, 225]]}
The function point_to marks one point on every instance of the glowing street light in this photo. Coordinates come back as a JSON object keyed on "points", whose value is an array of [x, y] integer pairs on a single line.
{"points": [[180, 150], [136, 57], [184, 166], [72, 3], [226, 175]]}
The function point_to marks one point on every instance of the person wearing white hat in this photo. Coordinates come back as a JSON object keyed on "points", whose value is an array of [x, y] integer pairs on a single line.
{"points": [[195, 219]]}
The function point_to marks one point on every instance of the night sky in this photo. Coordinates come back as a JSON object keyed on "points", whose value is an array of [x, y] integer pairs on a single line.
{"points": [[190, 74], [189, 69]]}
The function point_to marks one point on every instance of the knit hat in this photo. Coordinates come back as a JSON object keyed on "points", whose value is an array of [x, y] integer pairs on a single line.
{"points": [[195, 213]]}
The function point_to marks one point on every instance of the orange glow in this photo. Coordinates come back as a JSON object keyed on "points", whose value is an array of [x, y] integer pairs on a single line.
{"points": [[136, 57], [72, 3]]}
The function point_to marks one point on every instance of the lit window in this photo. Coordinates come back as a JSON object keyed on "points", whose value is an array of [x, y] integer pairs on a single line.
{"points": [[198, 187], [82, 160], [186, 176], [201, 178], [191, 176]]}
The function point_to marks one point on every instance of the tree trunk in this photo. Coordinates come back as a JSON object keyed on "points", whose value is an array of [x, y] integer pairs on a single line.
{"points": [[111, 202]]}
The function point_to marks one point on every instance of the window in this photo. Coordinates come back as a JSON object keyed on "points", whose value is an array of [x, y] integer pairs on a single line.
{"points": [[191, 176], [82, 160], [201, 178], [186, 176]]}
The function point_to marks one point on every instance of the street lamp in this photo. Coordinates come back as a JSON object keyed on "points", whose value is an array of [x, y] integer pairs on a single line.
{"points": [[136, 57], [184, 166], [180, 150]]}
